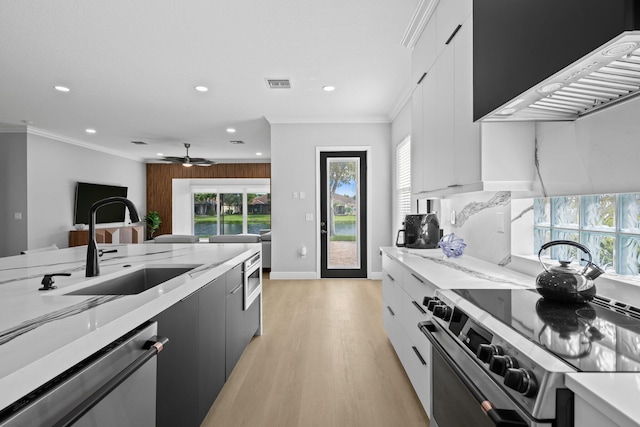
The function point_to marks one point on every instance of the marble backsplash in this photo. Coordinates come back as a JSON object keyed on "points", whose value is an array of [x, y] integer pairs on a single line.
{"points": [[483, 220]]}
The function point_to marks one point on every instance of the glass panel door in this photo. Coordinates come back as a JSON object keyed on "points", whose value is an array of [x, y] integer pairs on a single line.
{"points": [[205, 214], [258, 212], [231, 208], [343, 214]]}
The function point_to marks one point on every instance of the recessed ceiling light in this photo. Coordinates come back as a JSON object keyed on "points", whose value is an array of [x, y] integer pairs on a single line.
{"points": [[160, 154], [328, 88], [258, 154], [201, 88], [62, 88], [231, 130], [90, 130]]}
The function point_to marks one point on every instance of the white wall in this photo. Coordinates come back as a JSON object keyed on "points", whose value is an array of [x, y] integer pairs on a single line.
{"points": [[293, 169], [53, 168], [13, 193], [599, 153]]}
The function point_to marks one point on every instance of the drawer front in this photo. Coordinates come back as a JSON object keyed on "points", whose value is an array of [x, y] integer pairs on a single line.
{"points": [[390, 289], [392, 267], [390, 322], [416, 286], [417, 367]]}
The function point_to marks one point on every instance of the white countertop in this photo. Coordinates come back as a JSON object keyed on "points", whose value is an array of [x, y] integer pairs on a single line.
{"points": [[43, 333], [613, 394], [458, 273]]}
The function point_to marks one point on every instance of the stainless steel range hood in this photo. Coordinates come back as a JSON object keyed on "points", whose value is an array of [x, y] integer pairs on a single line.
{"points": [[607, 75], [547, 60]]}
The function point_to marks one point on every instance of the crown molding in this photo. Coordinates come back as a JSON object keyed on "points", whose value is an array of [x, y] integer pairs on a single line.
{"points": [[5, 128], [419, 20], [304, 119], [405, 96], [46, 134]]}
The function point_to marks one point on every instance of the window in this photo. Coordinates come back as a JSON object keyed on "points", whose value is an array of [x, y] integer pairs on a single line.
{"points": [[403, 181], [231, 211], [607, 224]]}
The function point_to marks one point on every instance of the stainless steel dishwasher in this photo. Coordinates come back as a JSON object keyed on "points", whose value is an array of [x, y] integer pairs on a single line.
{"points": [[114, 387]]}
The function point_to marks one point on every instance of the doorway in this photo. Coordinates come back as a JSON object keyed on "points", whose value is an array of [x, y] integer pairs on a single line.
{"points": [[343, 214]]}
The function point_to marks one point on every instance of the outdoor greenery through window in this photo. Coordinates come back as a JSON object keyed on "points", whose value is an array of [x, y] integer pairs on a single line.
{"points": [[216, 213], [607, 224]]}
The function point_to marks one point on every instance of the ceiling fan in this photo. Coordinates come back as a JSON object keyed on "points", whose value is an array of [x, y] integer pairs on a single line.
{"points": [[189, 161]]}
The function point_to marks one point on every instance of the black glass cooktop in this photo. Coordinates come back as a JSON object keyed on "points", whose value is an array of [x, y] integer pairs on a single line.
{"points": [[599, 336]]}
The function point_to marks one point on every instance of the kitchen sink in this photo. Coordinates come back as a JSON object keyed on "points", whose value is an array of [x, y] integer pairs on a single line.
{"points": [[135, 282]]}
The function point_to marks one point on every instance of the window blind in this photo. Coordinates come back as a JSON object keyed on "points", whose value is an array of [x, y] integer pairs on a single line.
{"points": [[403, 181]]}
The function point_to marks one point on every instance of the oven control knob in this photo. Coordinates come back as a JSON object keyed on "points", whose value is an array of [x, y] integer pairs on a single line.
{"points": [[500, 364], [522, 381], [432, 303], [486, 351], [426, 300], [442, 311]]}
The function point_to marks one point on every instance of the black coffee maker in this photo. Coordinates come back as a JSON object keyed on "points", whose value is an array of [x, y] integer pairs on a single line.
{"points": [[421, 231]]}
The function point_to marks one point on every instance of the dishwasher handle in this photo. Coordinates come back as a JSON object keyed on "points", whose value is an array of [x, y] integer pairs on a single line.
{"points": [[152, 347]]}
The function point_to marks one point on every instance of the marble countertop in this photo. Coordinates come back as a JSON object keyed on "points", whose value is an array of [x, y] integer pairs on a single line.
{"points": [[43, 333], [612, 394], [458, 273]]}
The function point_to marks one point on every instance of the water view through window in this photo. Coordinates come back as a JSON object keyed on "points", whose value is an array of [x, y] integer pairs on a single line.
{"points": [[230, 213]]}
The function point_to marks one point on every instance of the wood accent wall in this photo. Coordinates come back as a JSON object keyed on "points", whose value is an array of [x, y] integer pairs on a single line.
{"points": [[160, 176]]}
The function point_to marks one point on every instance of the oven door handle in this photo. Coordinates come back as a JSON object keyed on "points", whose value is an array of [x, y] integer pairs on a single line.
{"points": [[499, 417]]}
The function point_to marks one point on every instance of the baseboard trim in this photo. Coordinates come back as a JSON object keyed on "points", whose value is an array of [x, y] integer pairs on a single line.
{"points": [[293, 275], [375, 275], [310, 275]]}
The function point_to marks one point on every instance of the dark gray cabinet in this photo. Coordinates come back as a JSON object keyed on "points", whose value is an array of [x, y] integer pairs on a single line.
{"points": [[191, 371], [240, 325], [177, 387], [211, 339], [207, 331]]}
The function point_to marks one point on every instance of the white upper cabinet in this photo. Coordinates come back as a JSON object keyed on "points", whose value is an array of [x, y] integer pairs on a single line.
{"points": [[454, 155], [450, 14], [424, 52], [466, 132]]}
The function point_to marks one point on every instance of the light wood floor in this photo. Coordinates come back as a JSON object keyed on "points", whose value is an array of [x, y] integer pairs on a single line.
{"points": [[324, 360]]}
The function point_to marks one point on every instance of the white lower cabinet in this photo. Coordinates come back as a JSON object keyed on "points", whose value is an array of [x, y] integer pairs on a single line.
{"points": [[401, 314]]}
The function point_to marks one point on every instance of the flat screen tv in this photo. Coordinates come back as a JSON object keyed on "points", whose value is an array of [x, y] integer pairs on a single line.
{"points": [[87, 194]]}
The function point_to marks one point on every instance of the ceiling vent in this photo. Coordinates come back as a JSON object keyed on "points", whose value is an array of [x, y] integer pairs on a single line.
{"points": [[139, 142], [237, 142], [279, 83]]}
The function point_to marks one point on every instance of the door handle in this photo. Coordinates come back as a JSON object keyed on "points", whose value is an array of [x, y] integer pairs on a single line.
{"points": [[323, 231]]}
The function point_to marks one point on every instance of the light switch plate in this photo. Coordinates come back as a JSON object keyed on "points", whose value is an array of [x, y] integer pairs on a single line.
{"points": [[302, 194], [309, 217], [453, 217], [295, 195]]}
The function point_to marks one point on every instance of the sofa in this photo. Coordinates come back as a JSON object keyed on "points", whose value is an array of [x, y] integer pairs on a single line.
{"points": [[264, 238]]}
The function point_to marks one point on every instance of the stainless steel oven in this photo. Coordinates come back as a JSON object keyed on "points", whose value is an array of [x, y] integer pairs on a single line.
{"points": [[486, 374], [252, 279], [463, 394]]}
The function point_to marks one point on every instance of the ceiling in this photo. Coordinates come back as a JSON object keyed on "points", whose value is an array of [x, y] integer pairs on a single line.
{"points": [[131, 67]]}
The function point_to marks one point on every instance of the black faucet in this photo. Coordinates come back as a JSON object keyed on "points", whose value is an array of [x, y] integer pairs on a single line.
{"points": [[93, 267]]}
